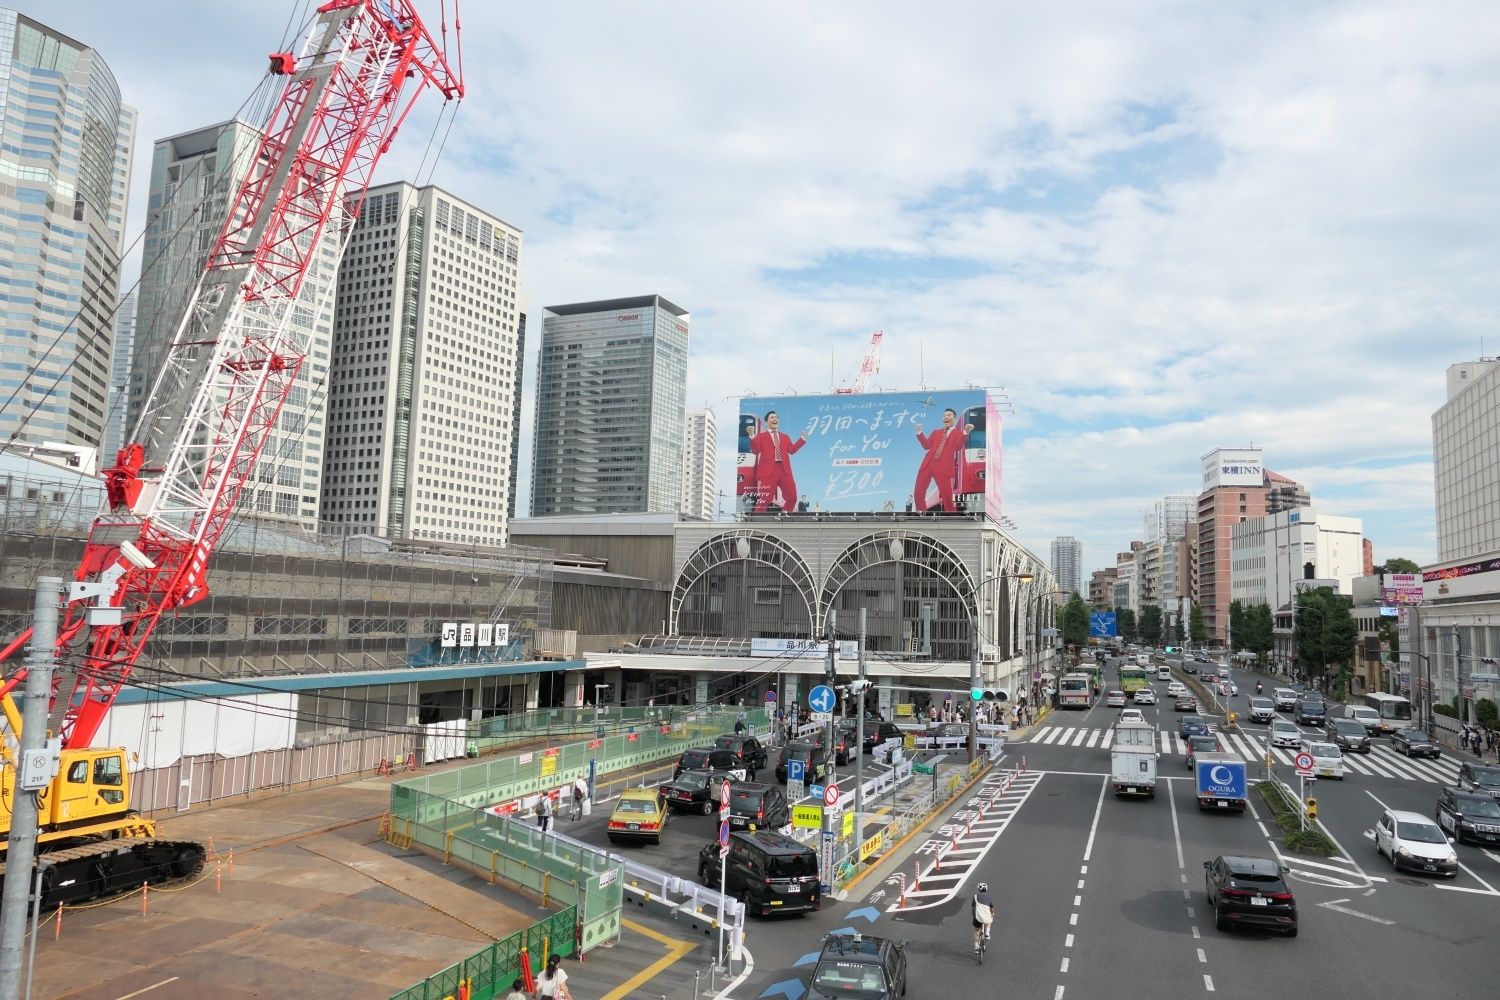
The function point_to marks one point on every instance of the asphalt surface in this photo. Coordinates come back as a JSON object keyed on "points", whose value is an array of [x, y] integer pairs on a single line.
{"points": [[1098, 896]]}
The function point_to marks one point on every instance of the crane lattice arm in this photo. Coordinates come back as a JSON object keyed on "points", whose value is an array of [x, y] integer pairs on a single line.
{"points": [[868, 366], [235, 357]]}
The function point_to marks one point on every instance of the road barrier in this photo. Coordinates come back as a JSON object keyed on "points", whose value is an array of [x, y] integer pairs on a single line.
{"points": [[489, 972]]}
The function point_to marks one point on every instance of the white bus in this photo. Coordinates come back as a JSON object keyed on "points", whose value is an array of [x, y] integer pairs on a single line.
{"points": [[1395, 711], [1075, 691]]}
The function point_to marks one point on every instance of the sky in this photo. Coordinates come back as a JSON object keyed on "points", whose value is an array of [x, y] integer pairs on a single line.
{"points": [[1153, 228]]}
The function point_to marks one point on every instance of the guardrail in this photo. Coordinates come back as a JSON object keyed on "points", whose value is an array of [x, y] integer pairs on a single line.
{"points": [[489, 972]]}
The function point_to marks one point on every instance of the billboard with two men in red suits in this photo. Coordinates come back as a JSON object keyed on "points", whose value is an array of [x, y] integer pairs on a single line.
{"points": [[916, 452]]}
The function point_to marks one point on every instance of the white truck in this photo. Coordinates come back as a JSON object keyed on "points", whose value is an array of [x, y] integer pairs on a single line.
{"points": [[1133, 759]]}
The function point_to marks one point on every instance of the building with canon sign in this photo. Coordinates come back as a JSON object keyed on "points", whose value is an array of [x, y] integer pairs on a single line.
{"points": [[611, 408]]}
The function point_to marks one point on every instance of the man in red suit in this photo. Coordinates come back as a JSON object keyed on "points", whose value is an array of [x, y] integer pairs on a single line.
{"points": [[940, 464], [773, 453]]}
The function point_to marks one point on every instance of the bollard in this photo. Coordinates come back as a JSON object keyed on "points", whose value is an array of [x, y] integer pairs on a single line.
{"points": [[231, 861], [916, 876], [145, 891], [56, 934], [218, 877], [900, 880]]}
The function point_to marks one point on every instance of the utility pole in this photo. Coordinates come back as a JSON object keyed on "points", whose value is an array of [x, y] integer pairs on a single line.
{"points": [[1458, 669], [859, 745], [832, 670], [33, 773], [973, 686]]}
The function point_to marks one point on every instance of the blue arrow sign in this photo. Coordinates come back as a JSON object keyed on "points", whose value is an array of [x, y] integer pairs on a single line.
{"points": [[807, 959], [1102, 624], [868, 912], [792, 989], [794, 770], [822, 699], [816, 791]]}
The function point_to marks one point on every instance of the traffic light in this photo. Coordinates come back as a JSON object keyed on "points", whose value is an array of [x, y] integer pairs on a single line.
{"points": [[989, 694], [1312, 809], [1171, 649]]}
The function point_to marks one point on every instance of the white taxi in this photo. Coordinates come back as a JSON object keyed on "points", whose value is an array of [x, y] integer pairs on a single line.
{"points": [[1328, 759]]}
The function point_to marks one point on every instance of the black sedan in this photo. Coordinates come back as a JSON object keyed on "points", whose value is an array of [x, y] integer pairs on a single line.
{"points": [[1250, 892], [695, 791], [1415, 743], [1469, 816]]}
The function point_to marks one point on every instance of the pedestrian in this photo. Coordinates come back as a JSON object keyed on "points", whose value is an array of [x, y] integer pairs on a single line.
{"points": [[517, 991], [580, 796], [552, 984], [543, 811]]}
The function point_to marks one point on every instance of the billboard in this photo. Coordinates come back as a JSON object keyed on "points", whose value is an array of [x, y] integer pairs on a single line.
{"points": [[886, 451], [1232, 467], [1401, 588]]}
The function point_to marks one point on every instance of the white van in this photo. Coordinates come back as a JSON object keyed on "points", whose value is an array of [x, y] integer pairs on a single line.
{"points": [[1143, 659], [1163, 673]]}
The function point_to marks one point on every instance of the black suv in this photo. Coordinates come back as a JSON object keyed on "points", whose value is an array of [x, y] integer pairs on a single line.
{"points": [[750, 751], [845, 744], [1250, 892], [852, 965], [877, 733], [769, 871], [710, 759], [1479, 778], [1310, 709], [1469, 816], [1348, 734], [813, 757], [753, 802], [695, 790]]}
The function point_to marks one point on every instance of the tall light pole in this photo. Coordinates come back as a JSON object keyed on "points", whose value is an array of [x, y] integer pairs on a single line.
{"points": [[974, 655]]}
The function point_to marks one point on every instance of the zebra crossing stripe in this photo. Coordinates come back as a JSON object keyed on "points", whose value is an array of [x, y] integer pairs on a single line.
{"points": [[1094, 737]]}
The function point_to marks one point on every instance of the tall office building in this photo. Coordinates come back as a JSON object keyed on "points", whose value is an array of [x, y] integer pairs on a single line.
{"points": [[1169, 517], [699, 471], [1067, 563], [1466, 478], [65, 141], [515, 411], [115, 427], [611, 401], [194, 176], [426, 367]]}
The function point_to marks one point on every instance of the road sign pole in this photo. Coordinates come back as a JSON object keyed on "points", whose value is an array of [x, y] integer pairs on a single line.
{"points": [[859, 746], [833, 676]]}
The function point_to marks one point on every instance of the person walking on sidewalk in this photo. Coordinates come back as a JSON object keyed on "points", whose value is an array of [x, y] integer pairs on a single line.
{"points": [[552, 984], [580, 794], [543, 812]]}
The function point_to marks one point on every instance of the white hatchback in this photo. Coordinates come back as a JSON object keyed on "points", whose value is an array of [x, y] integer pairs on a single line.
{"points": [[1145, 696], [1285, 734]]}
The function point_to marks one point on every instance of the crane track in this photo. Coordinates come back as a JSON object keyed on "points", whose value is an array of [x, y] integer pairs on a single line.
{"points": [[106, 869]]}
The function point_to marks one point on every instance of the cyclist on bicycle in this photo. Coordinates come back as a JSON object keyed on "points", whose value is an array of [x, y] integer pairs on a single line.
{"points": [[983, 913]]}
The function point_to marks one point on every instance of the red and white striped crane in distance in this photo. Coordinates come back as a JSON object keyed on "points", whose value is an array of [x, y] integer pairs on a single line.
{"points": [[868, 366], [234, 359]]}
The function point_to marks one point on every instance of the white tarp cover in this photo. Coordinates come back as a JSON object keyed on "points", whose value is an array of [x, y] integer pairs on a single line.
{"points": [[158, 734], [445, 740]]}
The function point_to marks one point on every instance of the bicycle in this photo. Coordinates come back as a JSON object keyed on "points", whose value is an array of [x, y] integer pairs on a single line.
{"points": [[983, 942]]}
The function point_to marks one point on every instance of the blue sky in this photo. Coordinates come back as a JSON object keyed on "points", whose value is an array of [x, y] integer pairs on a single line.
{"points": [[1160, 227]]}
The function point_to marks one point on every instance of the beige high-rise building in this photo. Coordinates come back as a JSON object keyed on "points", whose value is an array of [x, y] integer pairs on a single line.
{"points": [[699, 471]]}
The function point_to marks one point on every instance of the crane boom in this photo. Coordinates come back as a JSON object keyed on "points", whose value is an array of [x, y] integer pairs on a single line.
{"points": [[236, 354], [868, 366]]}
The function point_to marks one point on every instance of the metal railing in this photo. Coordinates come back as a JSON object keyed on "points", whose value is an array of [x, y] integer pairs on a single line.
{"points": [[489, 972]]}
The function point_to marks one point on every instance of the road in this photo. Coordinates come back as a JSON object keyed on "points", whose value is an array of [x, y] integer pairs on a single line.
{"points": [[1100, 896]]}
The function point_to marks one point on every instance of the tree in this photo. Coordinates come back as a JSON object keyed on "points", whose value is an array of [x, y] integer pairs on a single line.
{"points": [[1150, 624], [1179, 629], [1197, 631], [1326, 633], [1398, 565], [1260, 623], [1237, 626], [1074, 622], [1125, 619]]}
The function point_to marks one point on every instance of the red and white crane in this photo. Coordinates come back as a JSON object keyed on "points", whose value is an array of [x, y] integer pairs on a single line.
{"points": [[235, 357], [868, 366]]}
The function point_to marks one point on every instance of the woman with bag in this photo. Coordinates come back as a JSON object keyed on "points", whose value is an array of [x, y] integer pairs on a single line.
{"points": [[552, 984]]}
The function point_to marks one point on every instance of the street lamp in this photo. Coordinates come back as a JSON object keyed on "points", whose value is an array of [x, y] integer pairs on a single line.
{"points": [[1425, 717], [974, 655]]}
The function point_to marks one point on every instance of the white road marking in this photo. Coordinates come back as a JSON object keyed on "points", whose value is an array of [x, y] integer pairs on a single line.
{"points": [[1491, 855], [1477, 878], [1059, 994], [148, 989], [1068, 941], [1465, 888], [1176, 830], [1202, 957], [1072, 920], [1333, 904], [1088, 849], [1064, 965], [1208, 982], [1077, 900], [1080, 883], [1196, 935]]}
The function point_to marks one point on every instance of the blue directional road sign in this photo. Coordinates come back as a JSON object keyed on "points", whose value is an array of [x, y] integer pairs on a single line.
{"points": [[822, 699], [794, 770], [815, 791], [1102, 624]]}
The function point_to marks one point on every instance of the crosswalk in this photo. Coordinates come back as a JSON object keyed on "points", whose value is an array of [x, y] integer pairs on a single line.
{"points": [[1382, 760]]}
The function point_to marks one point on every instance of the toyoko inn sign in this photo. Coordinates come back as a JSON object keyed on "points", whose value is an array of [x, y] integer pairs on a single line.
{"points": [[1232, 467]]}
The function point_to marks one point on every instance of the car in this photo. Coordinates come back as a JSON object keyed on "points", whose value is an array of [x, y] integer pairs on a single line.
{"points": [[1208, 676], [750, 751], [752, 803], [695, 791], [859, 965], [1201, 744], [1228, 689], [768, 871], [1285, 734], [1328, 761], [1415, 743], [1114, 699], [1262, 709], [639, 814], [1309, 710], [1132, 715], [1469, 816], [1176, 688], [1416, 843], [1286, 699], [1250, 892], [813, 757], [1365, 716], [1193, 725], [845, 745], [711, 759], [879, 732], [1145, 696], [1479, 778], [1189, 667], [1348, 734], [947, 730], [1185, 703]]}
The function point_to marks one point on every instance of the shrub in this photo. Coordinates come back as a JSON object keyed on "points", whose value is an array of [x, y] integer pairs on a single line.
{"points": [[1312, 841], [1439, 708], [1485, 713]]}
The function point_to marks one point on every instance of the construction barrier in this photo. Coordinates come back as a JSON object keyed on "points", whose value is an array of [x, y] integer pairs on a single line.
{"points": [[489, 972]]}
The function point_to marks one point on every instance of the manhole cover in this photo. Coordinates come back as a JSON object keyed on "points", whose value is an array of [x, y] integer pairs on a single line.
{"points": [[1420, 883]]}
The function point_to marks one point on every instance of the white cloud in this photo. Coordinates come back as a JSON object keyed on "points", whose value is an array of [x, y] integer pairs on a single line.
{"points": [[1185, 225]]}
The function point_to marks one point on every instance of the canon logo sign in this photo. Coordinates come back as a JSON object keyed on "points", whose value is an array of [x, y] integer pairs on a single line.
{"points": [[627, 317]]}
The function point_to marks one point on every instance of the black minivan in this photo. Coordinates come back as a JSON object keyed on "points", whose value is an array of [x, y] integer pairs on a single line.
{"points": [[813, 757], [710, 759], [769, 871], [763, 805]]}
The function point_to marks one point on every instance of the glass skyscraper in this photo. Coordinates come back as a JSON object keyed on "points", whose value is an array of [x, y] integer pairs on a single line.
{"points": [[611, 408], [64, 174]]}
